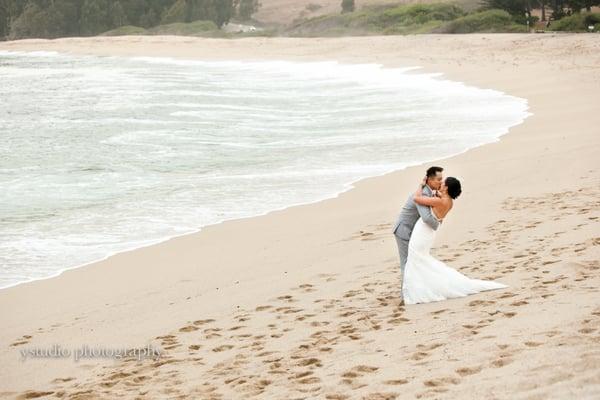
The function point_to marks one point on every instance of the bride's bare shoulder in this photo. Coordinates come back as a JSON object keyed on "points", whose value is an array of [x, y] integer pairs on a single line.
{"points": [[449, 204]]}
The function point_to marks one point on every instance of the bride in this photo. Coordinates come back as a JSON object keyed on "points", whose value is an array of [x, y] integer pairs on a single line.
{"points": [[426, 278]]}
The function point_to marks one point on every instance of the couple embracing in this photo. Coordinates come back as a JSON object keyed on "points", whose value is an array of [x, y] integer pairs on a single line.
{"points": [[425, 278]]}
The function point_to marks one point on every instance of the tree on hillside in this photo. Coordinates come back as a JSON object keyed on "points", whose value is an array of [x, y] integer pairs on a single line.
{"points": [[55, 18], [117, 14], [218, 11], [523, 7], [149, 19], [9, 10], [38, 22], [245, 8], [514, 7], [574, 6], [558, 9], [543, 8], [347, 6], [577, 5], [4, 21], [94, 17], [224, 10], [175, 13]]}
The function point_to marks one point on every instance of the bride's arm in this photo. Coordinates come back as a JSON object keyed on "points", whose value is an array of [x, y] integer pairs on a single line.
{"points": [[426, 200], [425, 212]]}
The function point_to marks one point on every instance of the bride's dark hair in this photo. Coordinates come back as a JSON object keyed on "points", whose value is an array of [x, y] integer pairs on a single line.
{"points": [[453, 185]]}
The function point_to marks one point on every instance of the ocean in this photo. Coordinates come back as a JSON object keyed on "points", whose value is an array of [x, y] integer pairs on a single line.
{"points": [[102, 154]]}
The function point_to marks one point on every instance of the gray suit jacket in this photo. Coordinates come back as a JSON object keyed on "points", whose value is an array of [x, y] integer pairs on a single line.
{"points": [[411, 212]]}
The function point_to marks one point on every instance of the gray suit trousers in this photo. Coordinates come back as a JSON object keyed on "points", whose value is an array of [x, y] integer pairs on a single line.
{"points": [[403, 250]]}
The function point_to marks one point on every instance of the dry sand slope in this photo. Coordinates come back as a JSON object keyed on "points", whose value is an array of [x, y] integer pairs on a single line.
{"points": [[343, 336], [330, 326]]}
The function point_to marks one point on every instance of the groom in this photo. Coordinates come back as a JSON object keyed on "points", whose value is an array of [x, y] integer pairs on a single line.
{"points": [[410, 214]]}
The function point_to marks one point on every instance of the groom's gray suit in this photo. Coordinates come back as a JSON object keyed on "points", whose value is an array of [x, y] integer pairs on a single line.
{"points": [[406, 222]]}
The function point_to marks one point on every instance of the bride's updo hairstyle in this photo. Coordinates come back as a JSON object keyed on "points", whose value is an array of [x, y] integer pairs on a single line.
{"points": [[453, 185]]}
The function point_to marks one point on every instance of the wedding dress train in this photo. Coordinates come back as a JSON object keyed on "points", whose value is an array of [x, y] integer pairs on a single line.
{"points": [[428, 279]]}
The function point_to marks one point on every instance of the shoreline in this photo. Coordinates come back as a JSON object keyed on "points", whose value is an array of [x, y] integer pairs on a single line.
{"points": [[349, 185], [166, 239], [527, 217]]}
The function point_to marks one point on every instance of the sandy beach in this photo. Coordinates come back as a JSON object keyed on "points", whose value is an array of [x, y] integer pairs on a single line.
{"points": [[303, 303]]}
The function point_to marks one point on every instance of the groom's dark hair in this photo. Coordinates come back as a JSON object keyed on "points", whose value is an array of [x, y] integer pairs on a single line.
{"points": [[432, 171]]}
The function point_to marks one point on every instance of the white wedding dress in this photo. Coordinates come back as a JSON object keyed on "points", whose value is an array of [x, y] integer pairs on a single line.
{"points": [[428, 279]]}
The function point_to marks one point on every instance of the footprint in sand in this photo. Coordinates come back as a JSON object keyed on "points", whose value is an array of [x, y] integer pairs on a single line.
{"points": [[222, 348], [430, 346], [189, 328], [465, 371], [62, 380], [507, 295], [33, 394], [351, 376], [336, 396], [501, 362], [203, 321], [306, 288], [419, 355], [519, 303], [288, 298], [441, 381], [380, 396], [327, 277], [532, 344], [481, 303], [397, 319], [168, 342], [22, 340], [438, 311], [305, 378]]}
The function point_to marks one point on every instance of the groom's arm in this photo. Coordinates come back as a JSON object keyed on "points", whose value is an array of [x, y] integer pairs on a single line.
{"points": [[425, 211]]}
